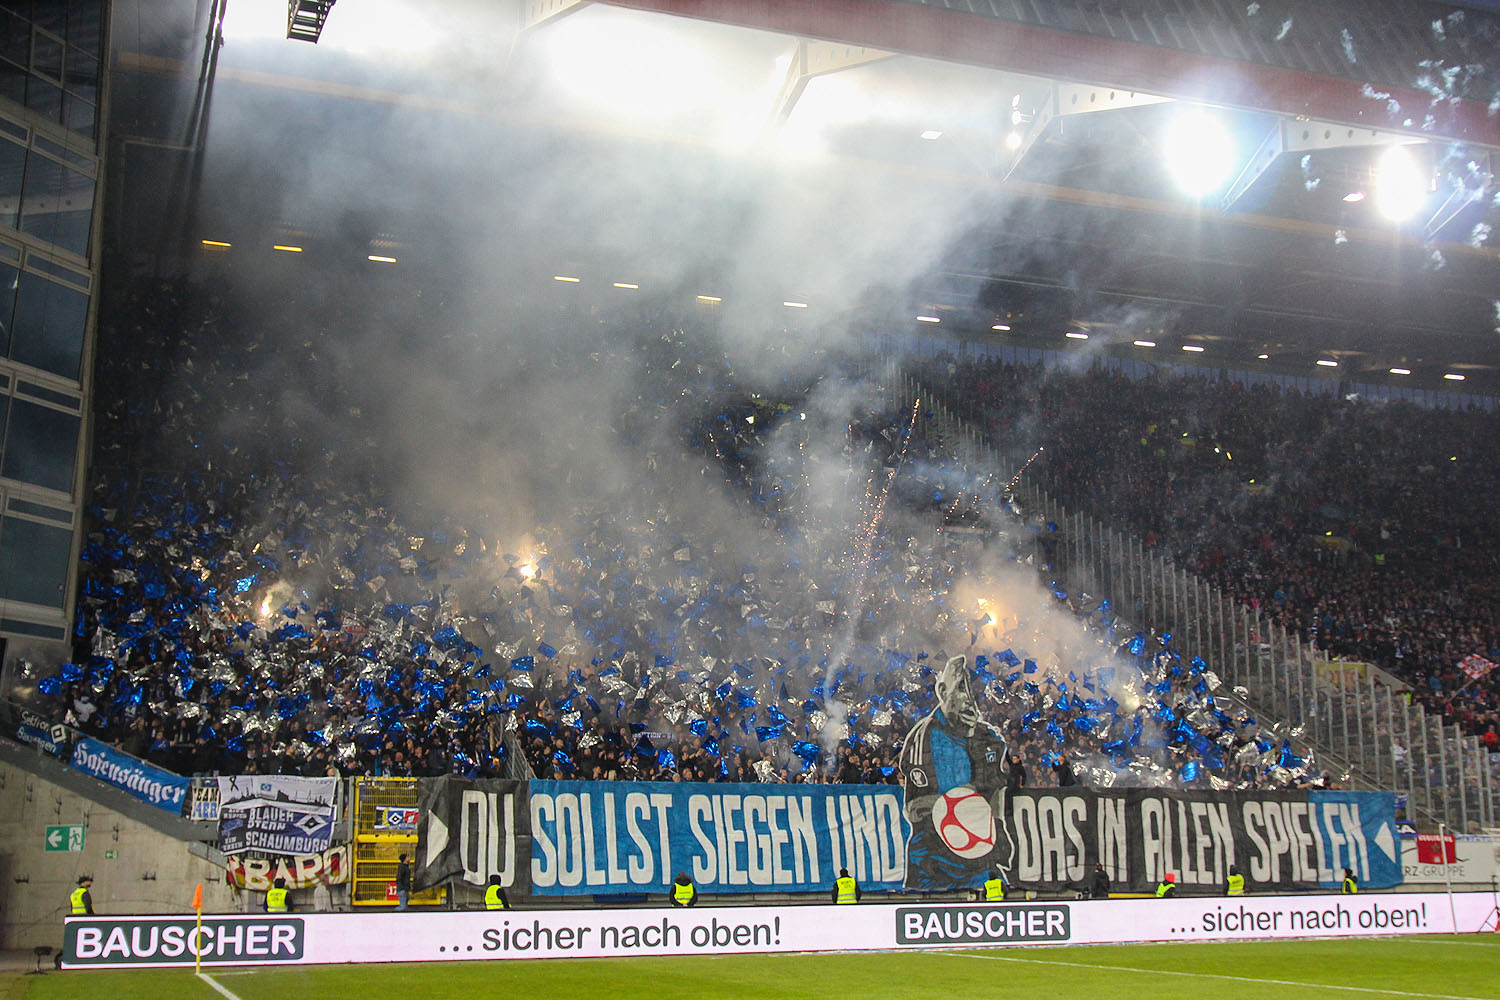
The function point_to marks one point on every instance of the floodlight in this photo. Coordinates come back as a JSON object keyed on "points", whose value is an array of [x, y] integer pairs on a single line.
{"points": [[1400, 188], [1200, 153]]}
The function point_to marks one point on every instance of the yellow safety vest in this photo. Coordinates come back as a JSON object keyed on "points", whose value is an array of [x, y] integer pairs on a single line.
{"points": [[682, 895], [275, 900], [1164, 888], [76, 898], [1350, 887], [994, 890], [1236, 885], [493, 899], [846, 887]]}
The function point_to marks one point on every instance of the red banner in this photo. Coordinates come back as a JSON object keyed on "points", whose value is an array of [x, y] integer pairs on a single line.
{"points": [[1435, 850]]}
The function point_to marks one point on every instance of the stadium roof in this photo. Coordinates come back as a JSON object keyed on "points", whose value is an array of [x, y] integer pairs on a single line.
{"points": [[1057, 116]]}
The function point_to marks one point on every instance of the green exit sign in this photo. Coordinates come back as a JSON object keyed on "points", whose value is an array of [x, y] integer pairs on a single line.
{"points": [[63, 838]]}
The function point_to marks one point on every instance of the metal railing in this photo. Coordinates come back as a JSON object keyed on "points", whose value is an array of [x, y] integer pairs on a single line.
{"points": [[1360, 729]]}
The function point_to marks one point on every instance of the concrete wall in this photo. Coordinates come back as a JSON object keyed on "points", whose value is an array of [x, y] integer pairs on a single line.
{"points": [[150, 872]]}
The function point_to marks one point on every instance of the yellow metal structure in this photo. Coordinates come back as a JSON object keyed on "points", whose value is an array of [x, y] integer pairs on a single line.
{"points": [[373, 870]]}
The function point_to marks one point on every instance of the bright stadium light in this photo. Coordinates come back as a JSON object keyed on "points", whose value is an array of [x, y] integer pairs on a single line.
{"points": [[1199, 152], [1192, 348], [1453, 377], [1400, 371], [929, 319], [1324, 362], [1071, 335], [1400, 188], [1002, 327], [1145, 343]]}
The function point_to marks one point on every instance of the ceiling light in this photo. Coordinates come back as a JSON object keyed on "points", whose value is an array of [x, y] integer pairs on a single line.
{"points": [[929, 319], [1264, 357], [1013, 141], [1002, 327], [1354, 196], [1400, 188], [795, 305], [566, 277], [1199, 153], [1400, 371], [931, 134], [1145, 343], [1328, 364], [1453, 377], [287, 249], [1076, 336], [217, 243], [1194, 348], [379, 259], [626, 284], [709, 298]]}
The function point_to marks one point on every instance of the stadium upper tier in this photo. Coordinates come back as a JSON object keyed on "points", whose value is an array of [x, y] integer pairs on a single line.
{"points": [[1362, 527]]}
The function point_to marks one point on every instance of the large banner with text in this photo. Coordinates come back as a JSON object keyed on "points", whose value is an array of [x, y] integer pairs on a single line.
{"points": [[614, 836], [1280, 841], [281, 939], [147, 782], [471, 829], [276, 814]]}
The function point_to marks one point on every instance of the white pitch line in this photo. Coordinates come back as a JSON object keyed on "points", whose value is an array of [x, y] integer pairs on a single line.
{"points": [[1214, 975], [221, 990]]}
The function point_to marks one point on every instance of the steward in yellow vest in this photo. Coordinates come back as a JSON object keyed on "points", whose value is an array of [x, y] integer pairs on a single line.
{"points": [[276, 901], [494, 895], [845, 889], [1351, 884], [81, 903], [994, 887], [1234, 885], [1167, 888], [684, 893]]}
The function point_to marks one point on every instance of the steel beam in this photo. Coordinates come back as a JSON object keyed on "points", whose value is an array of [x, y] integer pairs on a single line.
{"points": [[1302, 135], [959, 36]]}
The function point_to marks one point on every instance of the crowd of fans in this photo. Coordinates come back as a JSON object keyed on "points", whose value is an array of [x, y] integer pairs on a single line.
{"points": [[256, 599], [1366, 528]]}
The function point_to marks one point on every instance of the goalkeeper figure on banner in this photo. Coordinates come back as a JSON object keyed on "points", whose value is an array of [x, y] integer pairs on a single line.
{"points": [[953, 768]]}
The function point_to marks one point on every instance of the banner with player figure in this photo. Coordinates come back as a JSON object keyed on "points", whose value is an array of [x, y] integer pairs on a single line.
{"points": [[953, 767]]}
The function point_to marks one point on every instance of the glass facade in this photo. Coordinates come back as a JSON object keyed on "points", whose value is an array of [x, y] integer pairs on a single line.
{"points": [[51, 92]]}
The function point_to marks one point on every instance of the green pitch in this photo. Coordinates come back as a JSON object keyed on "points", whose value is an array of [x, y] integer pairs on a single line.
{"points": [[1439, 967]]}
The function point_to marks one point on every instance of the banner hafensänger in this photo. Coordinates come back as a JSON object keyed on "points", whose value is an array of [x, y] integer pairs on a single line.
{"points": [[147, 782]]}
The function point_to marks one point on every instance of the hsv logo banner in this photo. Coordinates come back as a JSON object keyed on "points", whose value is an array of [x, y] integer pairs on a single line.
{"points": [[472, 829]]}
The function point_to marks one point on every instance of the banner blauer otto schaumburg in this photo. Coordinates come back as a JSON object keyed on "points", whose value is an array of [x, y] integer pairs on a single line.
{"points": [[146, 782], [276, 814]]}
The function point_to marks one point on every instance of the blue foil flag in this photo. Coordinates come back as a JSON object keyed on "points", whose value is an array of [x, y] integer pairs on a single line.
{"points": [[548, 651]]}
